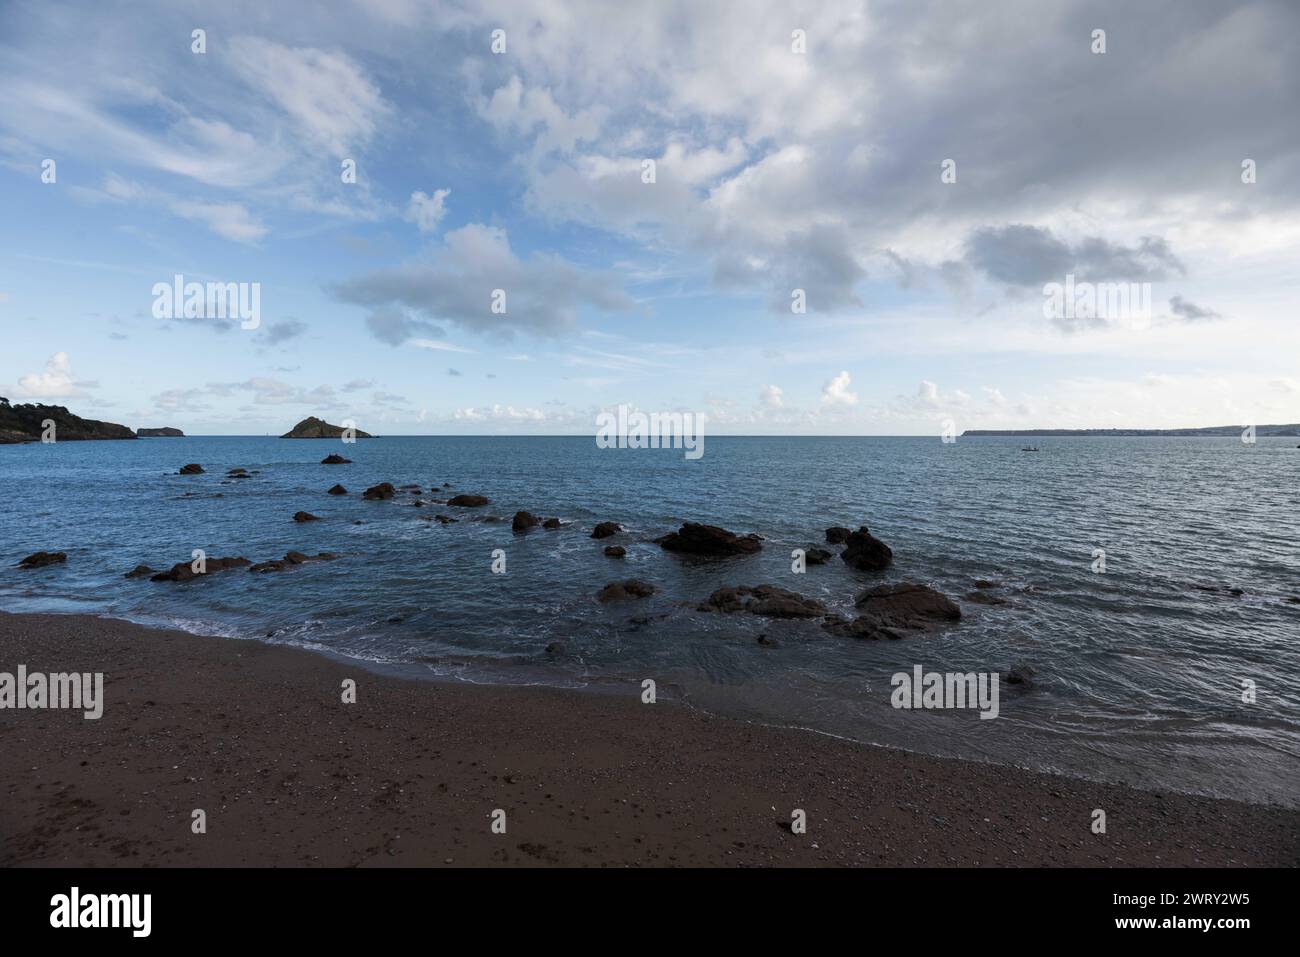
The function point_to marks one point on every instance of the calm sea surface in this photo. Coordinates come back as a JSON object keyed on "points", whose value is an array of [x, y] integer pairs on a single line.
{"points": [[1139, 672]]}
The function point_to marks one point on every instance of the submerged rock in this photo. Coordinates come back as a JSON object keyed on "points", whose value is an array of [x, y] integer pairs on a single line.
{"points": [[1020, 675], [446, 519], [767, 600], [238, 474], [696, 539], [606, 529], [625, 590], [290, 559], [615, 551], [140, 571], [381, 492], [523, 521], [42, 559], [865, 552], [469, 501], [335, 459], [184, 571]]}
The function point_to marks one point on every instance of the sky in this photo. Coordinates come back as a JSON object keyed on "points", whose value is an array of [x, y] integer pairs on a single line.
{"points": [[561, 207]]}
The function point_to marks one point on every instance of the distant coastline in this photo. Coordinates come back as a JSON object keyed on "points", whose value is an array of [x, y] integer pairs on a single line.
{"points": [[1215, 430]]}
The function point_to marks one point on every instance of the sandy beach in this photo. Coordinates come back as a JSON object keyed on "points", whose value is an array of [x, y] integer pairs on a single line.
{"points": [[257, 737]]}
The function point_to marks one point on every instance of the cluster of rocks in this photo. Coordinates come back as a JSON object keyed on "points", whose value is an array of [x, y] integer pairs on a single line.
{"points": [[184, 571], [43, 559]]}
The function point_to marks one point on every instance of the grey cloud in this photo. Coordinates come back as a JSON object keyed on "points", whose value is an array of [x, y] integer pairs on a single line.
{"points": [[1191, 311], [284, 330], [1020, 255]]}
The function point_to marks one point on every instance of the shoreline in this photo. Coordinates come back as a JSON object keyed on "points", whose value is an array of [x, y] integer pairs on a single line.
{"points": [[257, 736]]}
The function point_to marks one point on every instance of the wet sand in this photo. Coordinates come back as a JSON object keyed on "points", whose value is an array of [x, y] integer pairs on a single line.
{"points": [[257, 736]]}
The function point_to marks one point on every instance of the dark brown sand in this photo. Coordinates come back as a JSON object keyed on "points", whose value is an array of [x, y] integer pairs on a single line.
{"points": [[257, 737]]}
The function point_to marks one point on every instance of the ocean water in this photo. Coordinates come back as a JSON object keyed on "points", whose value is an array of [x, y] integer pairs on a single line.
{"points": [[1139, 670]]}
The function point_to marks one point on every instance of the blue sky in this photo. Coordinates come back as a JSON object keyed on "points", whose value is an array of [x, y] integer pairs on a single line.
{"points": [[776, 169]]}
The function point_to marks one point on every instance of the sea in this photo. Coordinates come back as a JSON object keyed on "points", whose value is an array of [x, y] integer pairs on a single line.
{"points": [[1152, 584]]}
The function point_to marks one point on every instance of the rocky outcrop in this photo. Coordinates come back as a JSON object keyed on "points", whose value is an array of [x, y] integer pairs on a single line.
{"points": [[894, 611], [314, 428], [817, 556], [837, 535], [194, 468], [184, 571], [166, 432], [606, 529], [767, 600], [469, 501], [710, 540], [625, 590], [523, 521], [378, 493], [140, 571], [290, 559], [26, 423], [552, 524], [43, 559], [335, 459], [615, 551], [305, 517], [865, 552], [337, 490]]}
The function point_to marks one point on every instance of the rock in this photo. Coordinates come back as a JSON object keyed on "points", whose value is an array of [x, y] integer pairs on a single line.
{"points": [[291, 559], [305, 517], [314, 428], [615, 551], [767, 642], [625, 590], [767, 600], [555, 648], [606, 529], [552, 523], [984, 598], [985, 583], [166, 432], [523, 521], [380, 492], [192, 469], [26, 423], [469, 501], [42, 559], [238, 474], [817, 556], [184, 571], [696, 539], [865, 552], [446, 519], [892, 611], [335, 459], [837, 535], [1020, 675], [337, 490], [140, 571]]}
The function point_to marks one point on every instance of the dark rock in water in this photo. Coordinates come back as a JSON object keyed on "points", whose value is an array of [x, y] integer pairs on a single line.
{"points": [[291, 559], [305, 517], [166, 432], [606, 529], [615, 551], [334, 459], [238, 473], [767, 642], [314, 428], [468, 501], [42, 559], [555, 648], [446, 519], [1021, 675], [892, 611], [380, 492], [184, 571], [552, 523], [817, 556], [695, 539], [1294, 599], [523, 521], [767, 600], [985, 583], [140, 571], [337, 490], [837, 535], [984, 598], [192, 469], [625, 590], [865, 552]]}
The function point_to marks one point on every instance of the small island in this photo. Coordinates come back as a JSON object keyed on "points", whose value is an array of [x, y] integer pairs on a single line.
{"points": [[26, 423], [166, 432], [1214, 430], [314, 428]]}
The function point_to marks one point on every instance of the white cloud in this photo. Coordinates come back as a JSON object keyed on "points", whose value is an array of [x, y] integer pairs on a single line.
{"points": [[771, 396], [427, 211], [836, 392], [55, 382]]}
